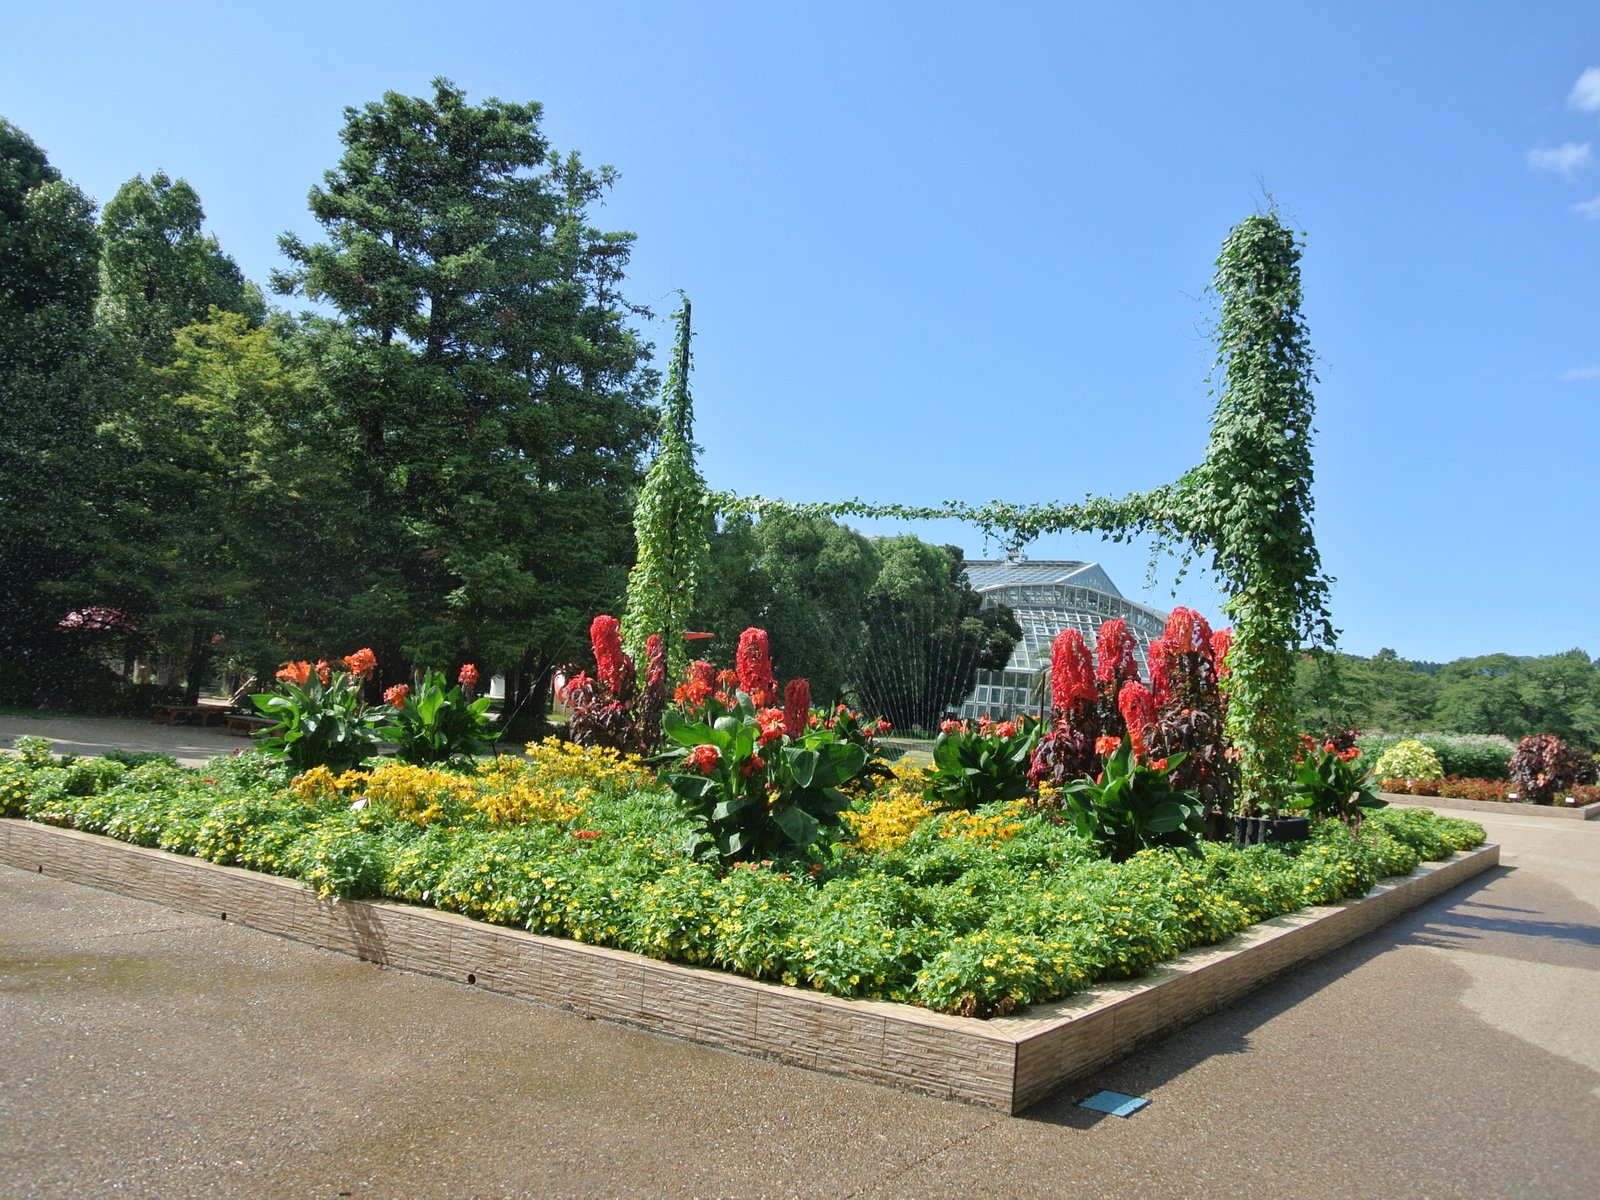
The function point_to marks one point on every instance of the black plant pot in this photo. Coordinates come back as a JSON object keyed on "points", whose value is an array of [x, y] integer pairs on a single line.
{"points": [[1288, 829], [1257, 831]]}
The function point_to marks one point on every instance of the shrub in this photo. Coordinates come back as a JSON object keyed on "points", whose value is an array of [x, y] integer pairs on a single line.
{"points": [[981, 763], [1411, 787], [1470, 755], [1409, 759], [1542, 768], [610, 709], [1584, 793]]}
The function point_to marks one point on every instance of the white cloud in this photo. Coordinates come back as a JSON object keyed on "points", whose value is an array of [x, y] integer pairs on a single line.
{"points": [[1589, 210], [1579, 375], [1566, 159], [1585, 95]]}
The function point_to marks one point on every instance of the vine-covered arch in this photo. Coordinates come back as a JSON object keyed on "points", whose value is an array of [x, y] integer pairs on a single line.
{"points": [[1246, 508]]}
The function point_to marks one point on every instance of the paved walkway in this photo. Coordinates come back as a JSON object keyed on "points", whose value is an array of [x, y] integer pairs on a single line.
{"points": [[1454, 1053], [191, 745]]}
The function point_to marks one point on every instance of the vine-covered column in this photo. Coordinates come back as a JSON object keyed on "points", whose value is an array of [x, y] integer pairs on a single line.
{"points": [[669, 522], [1251, 499]]}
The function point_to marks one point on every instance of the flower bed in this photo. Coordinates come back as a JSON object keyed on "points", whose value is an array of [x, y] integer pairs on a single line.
{"points": [[971, 913]]}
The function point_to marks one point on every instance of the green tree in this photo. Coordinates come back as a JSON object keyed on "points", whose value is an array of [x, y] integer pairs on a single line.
{"points": [[669, 523], [52, 378], [493, 400], [158, 272]]}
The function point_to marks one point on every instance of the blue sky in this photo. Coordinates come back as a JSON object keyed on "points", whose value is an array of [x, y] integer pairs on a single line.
{"points": [[937, 253]]}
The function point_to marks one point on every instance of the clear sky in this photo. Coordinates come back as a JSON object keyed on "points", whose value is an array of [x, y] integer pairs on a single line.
{"points": [[944, 252]]}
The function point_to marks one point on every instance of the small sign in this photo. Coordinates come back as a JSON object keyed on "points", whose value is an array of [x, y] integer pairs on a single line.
{"points": [[1114, 1103]]}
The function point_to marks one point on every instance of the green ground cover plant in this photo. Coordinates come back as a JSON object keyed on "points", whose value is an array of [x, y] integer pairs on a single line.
{"points": [[971, 912]]}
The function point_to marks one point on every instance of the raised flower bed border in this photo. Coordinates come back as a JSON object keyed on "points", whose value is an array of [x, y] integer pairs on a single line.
{"points": [[1006, 1063], [1586, 812]]}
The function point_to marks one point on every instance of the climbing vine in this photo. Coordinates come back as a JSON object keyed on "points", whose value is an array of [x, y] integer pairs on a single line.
{"points": [[1246, 508], [670, 522]]}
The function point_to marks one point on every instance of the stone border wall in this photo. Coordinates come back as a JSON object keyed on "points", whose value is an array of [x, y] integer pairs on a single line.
{"points": [[1007, 1063], [1505, 808]]}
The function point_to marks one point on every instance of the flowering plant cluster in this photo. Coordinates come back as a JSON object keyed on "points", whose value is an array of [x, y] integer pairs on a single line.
{"points": [[436, 721], [1134, 805], [1187, 667], [760, 779], [320, 717], [609, 708], [1330, 781], [983, 761]]}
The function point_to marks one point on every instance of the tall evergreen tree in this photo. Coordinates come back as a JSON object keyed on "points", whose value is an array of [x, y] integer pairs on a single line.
{"points": [[493, 398]]}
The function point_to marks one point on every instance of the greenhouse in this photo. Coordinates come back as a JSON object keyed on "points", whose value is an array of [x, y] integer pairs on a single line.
{"points": [[1048, 596]]}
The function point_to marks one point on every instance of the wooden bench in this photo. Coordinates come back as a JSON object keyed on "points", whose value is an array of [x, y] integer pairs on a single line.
{"points": [[187, 714]]}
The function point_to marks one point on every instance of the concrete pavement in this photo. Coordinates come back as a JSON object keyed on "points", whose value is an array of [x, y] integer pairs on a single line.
{"points": [[1455, 1052]]}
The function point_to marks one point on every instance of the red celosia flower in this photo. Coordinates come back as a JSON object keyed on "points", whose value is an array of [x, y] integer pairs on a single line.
{"points": [[396, 696], [362, 663], [296, 673], [1106, 744], [754, 664], [1159, 658], [950, 728], [468, 677], [1005, 729], [1114, 648], [772, 723], [324, 673], [796, 707], [1139, 711], [1071, 673], [1221, 643], [752, 766], [612, 665], [704, 758]]}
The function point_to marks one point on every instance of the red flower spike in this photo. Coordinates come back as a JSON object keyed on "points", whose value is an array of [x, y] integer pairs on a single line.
{"points": [[468, 677], [1115, 648], [754, 666], [613, 667], [1071, 673], [796, 707], [1221, 643], [1139, 711]]}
